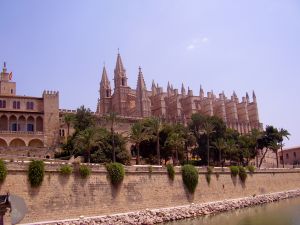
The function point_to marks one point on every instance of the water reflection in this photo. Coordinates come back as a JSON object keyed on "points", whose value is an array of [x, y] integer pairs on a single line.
{"points": [[286, 212]]}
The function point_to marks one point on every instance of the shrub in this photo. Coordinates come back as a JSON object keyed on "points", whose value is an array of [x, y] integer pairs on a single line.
{"points": [[251, 168], [208, 174], [3, 171], [242, 174], [171, 171], [208, 178], [66, 170], [36, 173], [217, 175], [210, 169], [116, 173], [84, 171], [190, 177], [234, 171], [150, 169]]}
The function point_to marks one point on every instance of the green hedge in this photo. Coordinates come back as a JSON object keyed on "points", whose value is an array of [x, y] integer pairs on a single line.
{"points": [[116, 173], [190, 177], [3, 171], [36, 173], [251, 168], [66, 170], [84, 171], [234, 170], [171, 171], [242, 174]]}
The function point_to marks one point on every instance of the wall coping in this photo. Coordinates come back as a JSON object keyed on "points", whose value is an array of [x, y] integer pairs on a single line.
{"points": [[100, 168]]}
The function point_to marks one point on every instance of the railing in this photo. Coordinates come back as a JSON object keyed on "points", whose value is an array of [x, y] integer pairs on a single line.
{"points": [[21, 132]]}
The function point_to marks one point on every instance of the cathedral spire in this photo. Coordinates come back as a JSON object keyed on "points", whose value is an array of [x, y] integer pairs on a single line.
{"points": [[142, 100], [254, 96], [105, 89], [153, 88], [120, 78], [119, 63], [201, 92], [183, 92], [4, 67]]}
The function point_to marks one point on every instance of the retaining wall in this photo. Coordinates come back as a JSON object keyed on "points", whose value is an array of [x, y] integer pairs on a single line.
{"points": [[61, 197]]}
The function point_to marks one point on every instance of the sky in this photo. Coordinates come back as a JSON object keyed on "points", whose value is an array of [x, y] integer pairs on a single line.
{"points": [[222, 45]]}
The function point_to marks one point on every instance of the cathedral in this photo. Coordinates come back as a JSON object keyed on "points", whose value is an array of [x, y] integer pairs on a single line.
{"points": [[171, 105]]}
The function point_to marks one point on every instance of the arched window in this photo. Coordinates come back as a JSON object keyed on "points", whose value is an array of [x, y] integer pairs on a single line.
{"points": [[123, 81], [107, 93]]}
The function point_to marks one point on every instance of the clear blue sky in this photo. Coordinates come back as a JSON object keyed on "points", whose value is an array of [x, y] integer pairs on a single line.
{"points": [[223, 45]]}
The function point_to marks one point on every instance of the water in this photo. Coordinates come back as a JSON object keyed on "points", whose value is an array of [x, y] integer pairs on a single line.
{"points": [[286, 212]]}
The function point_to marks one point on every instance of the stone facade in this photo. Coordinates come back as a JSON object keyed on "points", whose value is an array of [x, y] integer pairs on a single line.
{"points": [[291, 156], [27, 122], [171, 105]]}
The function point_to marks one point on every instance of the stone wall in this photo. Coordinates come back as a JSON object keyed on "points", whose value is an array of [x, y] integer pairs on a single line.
{"points": [[62, 197]]}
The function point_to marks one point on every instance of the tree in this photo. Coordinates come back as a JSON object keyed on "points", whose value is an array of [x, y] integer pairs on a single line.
{"points": [[220, 144], [138, 134], [274, 146], [208, 129], [283, 134], [83, 119], [176, 141], [68, 118], [231, 149], [85, 140], [267, 140], [112, 118], [155, 127]]}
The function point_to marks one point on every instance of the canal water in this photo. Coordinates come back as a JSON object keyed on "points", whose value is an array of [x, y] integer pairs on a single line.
{"points": [[286, 212]]}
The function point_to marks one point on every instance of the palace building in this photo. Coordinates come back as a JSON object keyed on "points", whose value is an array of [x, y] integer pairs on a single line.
{"points": [[171, 105], [27, 123]]}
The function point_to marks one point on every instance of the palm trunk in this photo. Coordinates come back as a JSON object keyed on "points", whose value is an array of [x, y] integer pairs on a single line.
{"points": [[68, 130], [176, 155], [220, 156], [113, 145], [138, 154], [157, 148], [282, 155], [207, 150], [277, 159], [262, 158]]}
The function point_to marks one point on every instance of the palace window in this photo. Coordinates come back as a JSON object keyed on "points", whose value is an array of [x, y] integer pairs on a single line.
{"points": [[61, 132], [14, 127], [287, 156], [30, 105], [30, 127], [16, 104], [295, 154], [2, 104]]}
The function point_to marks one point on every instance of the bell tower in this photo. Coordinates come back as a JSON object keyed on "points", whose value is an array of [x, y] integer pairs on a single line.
{"points": [[105, 94], [7, 87], [121, 89]]}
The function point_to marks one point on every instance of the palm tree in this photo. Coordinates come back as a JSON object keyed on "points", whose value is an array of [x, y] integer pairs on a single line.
{"points": [[220, 144], [68, 118], [255, 136], [138, 134], [112, 119], [208, 129], [274, 146], [176, 141], [231, 148], [283, 134], [86, 140], [155, 128]]}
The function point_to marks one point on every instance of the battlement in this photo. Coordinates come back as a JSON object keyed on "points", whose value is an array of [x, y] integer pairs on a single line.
{"points": [[47, 93]]}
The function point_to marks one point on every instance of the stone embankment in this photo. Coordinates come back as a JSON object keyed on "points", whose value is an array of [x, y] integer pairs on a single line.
{"points": [[155, 216]]}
